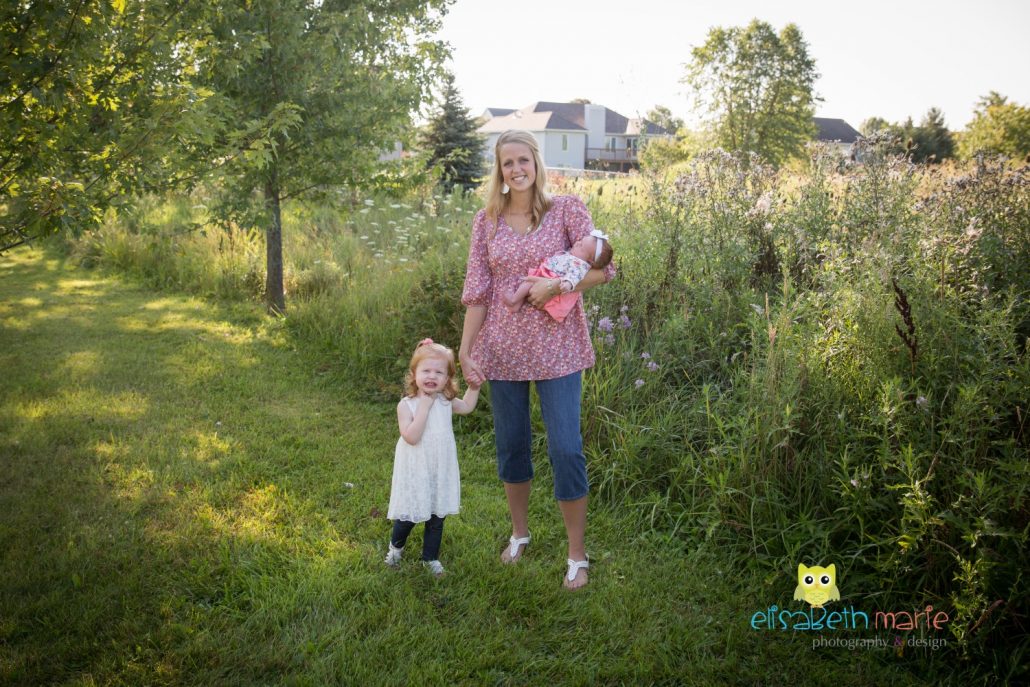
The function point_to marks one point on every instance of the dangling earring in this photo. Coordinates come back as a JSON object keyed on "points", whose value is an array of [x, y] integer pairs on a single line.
{"points": [[505, 189]]}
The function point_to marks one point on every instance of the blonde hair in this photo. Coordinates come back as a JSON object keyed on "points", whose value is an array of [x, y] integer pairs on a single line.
{"points": [[497, 202], [428, 349]]}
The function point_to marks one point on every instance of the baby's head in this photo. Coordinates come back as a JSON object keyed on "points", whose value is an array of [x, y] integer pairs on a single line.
{"points": [[587, 249], [427, 349]]}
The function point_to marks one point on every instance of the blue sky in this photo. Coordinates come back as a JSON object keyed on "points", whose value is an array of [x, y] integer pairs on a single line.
{"points": [[876, 58]]}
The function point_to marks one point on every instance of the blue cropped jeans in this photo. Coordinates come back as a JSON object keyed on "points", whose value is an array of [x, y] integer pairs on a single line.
{"points": [[560, 406]]}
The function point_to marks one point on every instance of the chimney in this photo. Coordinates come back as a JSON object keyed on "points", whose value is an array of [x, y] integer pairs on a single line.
{"points": [[594, 117]]}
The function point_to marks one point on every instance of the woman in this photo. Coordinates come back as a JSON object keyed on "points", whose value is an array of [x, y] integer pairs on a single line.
{"points": [[520, 226]]}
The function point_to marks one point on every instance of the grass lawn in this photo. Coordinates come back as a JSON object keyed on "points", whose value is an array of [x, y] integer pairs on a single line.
{"points": [[185, 500]]}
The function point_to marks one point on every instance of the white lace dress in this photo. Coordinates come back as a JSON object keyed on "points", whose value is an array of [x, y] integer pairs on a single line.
{"points": [[425, 476]]}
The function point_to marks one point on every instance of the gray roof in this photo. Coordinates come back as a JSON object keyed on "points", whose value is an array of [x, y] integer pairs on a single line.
{"points": [[566, 117], [530, 121], [835, 130]]}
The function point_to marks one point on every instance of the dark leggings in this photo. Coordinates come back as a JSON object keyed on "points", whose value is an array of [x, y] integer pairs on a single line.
{"points": [[430, 541]]}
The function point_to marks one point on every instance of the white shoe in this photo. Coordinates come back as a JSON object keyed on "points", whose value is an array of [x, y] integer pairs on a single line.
{"points": [[393, 556], [435, 567], [574, 568], [516, 547]]}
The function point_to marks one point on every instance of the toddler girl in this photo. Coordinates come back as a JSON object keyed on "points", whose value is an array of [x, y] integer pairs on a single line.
{"points": [[425, 485], [568, 268]]}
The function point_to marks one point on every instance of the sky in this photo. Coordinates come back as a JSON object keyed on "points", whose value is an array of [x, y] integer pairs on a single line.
{"points": [[875, 58]]}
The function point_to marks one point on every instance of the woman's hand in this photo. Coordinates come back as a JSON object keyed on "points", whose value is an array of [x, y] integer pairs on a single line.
{"points": [[470, 371], [542, 290]]}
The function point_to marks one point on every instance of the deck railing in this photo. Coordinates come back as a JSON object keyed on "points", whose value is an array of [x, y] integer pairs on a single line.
{"points": [[612, 154]]}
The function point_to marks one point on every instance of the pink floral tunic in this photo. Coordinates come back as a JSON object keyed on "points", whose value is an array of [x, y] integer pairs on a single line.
{"points": [[528, 344]]}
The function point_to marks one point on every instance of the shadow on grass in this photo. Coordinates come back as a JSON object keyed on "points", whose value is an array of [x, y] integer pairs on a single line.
{"points": [[151, 456]]}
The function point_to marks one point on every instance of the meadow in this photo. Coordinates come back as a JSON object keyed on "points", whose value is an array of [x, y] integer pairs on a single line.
{"points": [[822, 364]]}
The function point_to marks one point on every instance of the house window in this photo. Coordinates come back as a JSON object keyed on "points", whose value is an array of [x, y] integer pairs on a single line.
{"points": [[611, 143], [631, 144], [564, 141]]}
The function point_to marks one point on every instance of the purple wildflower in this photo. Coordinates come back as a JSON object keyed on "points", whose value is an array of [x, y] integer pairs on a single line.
{"points": [[609, 339], [652, 366], [639, 383], [645, 355], [624, 322], [605, 324]]}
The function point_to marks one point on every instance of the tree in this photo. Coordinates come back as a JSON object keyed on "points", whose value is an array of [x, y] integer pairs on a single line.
{"points": [[932, 140], [452, 142], [662, 116], [757, 88], [309, 93], [658, 153], [929, 142], [874, 125], [95, 106], [998, 128]]}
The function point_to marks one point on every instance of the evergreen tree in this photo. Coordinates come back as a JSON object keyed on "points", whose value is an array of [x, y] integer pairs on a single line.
{"points": [[452, 142], [933, 141]]}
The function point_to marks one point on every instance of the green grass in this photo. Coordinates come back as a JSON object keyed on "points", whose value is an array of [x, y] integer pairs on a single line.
{"points": [[174, 510]]}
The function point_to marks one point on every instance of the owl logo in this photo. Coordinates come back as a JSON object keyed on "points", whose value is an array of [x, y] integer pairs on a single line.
{"points": [[817, 585]]}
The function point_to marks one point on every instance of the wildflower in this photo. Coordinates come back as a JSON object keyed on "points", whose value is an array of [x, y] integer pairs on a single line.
{"points": [[395, 206], [363, 237], [645, 355], [652, 366], [854, 482], [624, 309], [758, 309], [605, 324], [364, 211], [921, 402], [764, 203], [624, 322], [639, 383], [369, 202], [609, 339]]}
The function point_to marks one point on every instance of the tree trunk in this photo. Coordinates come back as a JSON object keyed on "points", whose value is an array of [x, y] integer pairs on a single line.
{"points": [[275, 298]]}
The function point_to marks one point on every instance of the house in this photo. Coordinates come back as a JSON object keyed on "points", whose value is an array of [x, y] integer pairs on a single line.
{"points": [[574, 135], [836, 132]]}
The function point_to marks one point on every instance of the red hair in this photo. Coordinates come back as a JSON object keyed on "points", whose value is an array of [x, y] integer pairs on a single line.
{"points": [[427, 348]]}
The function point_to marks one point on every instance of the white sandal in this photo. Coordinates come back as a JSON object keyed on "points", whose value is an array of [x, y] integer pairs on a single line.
{"points": [[515, 545], [574, 568]]}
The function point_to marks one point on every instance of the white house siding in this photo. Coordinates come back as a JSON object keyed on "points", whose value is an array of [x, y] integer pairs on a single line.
{"points": [[550, 148], [488, 147], [555, 157]]}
